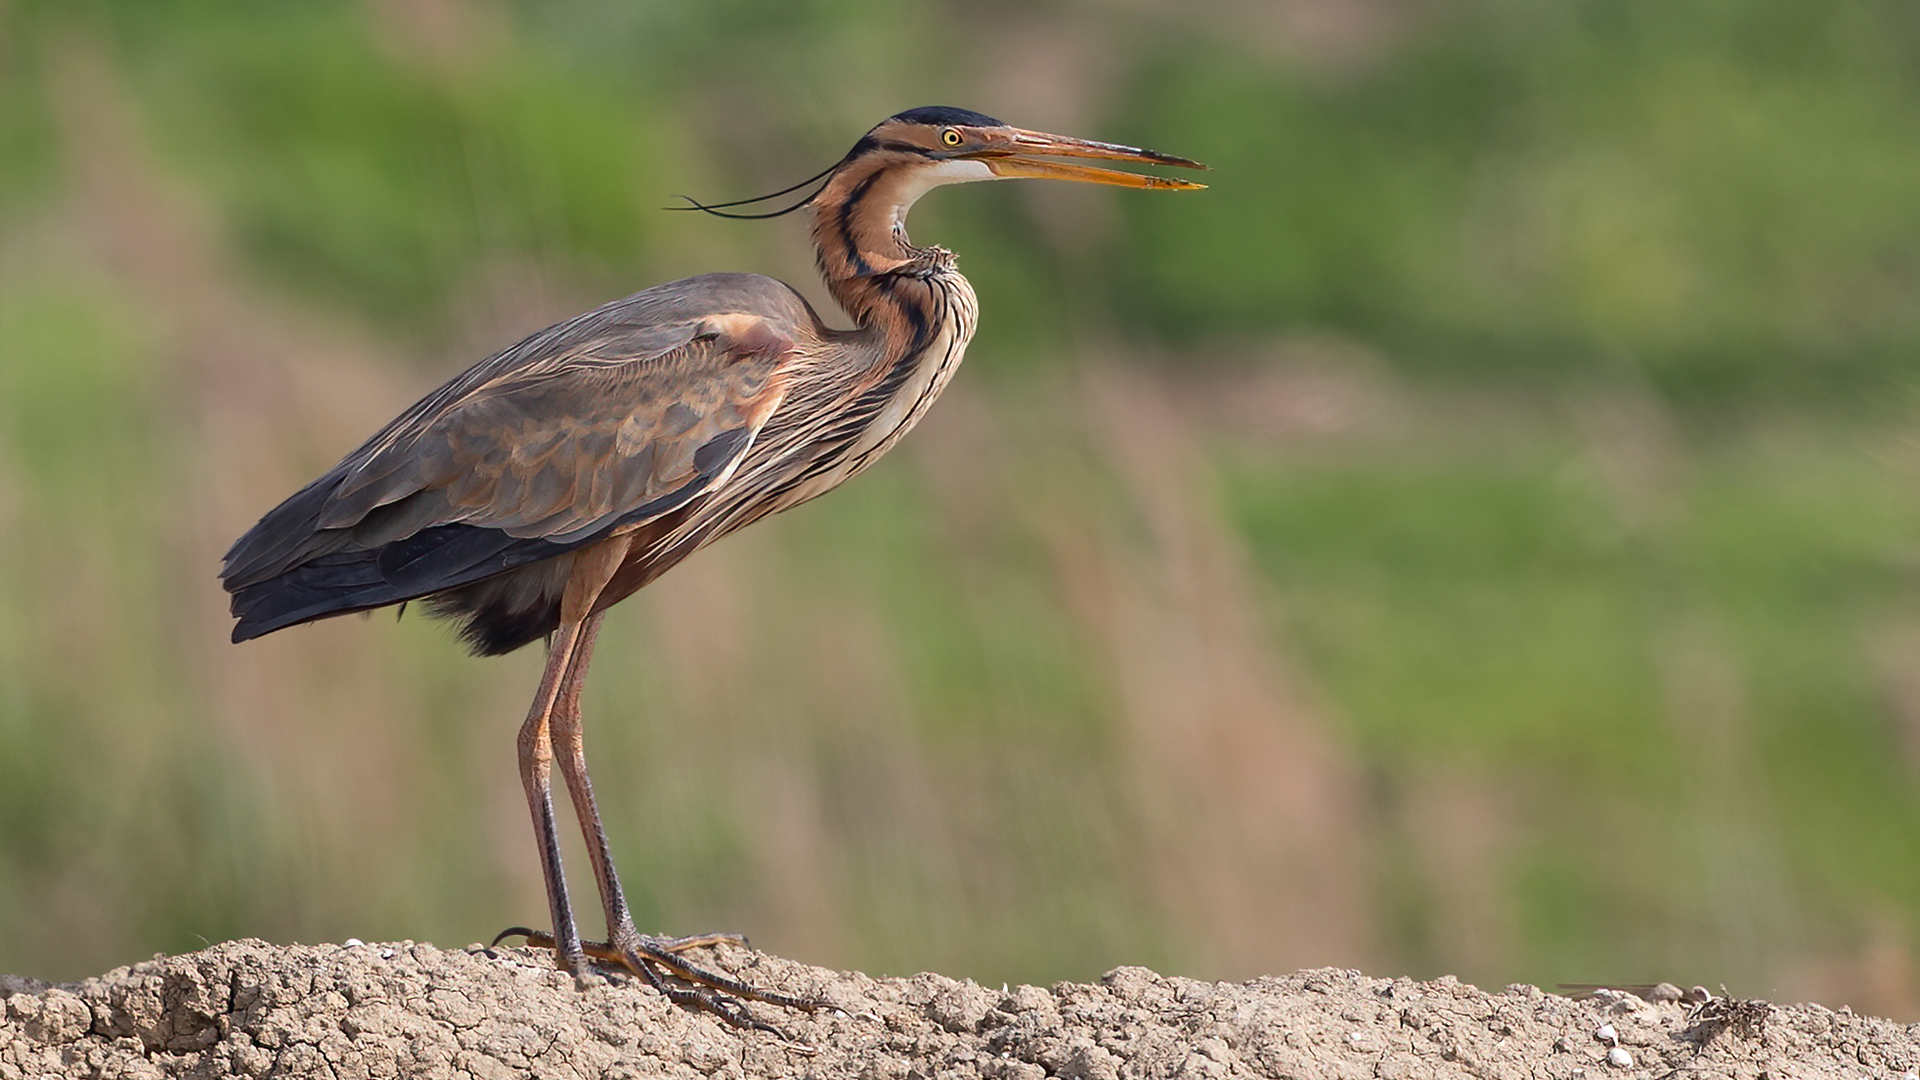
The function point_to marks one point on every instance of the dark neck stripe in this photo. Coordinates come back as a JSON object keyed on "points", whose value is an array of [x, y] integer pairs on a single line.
{"points": [[918, 317], [921, 317], [843, 220]]}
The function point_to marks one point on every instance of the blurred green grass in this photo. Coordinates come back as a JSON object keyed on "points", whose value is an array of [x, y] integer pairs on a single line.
{"points": [[1475, 536]]}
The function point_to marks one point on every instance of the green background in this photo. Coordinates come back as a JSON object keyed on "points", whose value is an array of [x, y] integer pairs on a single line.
{"points": [[1476, 536]]}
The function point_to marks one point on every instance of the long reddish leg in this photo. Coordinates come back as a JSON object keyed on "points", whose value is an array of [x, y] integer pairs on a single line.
{"points": [[625, 945], [536, 761], [559, 691]]}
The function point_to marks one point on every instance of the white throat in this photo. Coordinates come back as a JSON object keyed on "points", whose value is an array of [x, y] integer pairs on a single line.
{"points": [[921, 181]]}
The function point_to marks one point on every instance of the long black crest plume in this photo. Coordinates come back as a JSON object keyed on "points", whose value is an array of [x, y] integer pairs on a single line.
{"points": [[717, 209]]}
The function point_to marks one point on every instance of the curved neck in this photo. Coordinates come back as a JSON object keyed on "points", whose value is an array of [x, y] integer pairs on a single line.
{"points": [[860, 241]]}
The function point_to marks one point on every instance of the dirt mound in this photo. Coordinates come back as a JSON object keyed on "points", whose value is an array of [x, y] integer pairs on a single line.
{"points": [[252, 1009]]}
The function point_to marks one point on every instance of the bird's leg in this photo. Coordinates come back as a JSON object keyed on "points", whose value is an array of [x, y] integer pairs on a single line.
{"points": [[536, 760], [592, 568], [570, 737], [624, 944], [568, 733]]}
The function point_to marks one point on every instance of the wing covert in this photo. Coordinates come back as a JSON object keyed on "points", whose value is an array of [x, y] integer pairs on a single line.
{"points": [[576, 446]]}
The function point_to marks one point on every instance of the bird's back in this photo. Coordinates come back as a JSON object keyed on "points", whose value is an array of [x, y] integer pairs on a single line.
{"points": [[615, 418]]}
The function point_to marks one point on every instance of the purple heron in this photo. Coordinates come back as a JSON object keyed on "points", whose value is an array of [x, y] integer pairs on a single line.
{"points": [[549, 482]]}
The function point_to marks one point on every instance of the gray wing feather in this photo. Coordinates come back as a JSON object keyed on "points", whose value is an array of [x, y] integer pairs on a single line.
{"points": [[566, 433]]}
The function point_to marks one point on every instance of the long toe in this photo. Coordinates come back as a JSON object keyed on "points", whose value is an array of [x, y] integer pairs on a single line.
{"points": [[645, 951], [728, 1008]]}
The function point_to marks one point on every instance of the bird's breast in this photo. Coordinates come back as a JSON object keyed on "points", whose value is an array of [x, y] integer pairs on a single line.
{"points": [[829, 431], [906, 392]]}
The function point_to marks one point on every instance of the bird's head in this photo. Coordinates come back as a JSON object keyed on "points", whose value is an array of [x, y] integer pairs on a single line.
{"points": [[937, 144], [909, 154]]}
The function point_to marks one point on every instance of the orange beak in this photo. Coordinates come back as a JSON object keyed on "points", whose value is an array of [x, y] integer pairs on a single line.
{"points": [[1025, 154]]}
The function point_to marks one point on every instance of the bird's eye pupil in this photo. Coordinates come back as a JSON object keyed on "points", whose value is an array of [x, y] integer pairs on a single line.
{"points": [[950, 137]]}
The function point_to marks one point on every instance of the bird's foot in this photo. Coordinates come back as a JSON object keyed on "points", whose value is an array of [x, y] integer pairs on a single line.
{"points": [[658, 960]]}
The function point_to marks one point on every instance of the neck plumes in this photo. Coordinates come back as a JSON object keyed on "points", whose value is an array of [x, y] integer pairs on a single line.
{"points": [[892, 289]]}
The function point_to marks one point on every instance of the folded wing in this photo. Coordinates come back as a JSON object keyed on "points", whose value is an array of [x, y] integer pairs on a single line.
{"points": [[595, 427]]}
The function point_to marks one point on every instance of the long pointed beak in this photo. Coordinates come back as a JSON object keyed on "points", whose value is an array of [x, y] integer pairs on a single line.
{"points": [[1026, 154]]}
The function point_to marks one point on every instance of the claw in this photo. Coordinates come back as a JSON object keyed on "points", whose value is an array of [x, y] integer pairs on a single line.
{"points": [[533, 936]]}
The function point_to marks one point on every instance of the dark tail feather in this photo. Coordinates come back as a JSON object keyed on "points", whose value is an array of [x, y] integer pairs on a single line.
{"points": [[329, 585], [342, 584], [449, 555], [446, 557], [277, 539]]}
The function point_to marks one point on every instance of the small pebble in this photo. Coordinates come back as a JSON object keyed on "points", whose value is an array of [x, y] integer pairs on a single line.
{"points": [[1606, 1034], [1619, 1058], [352, 943], [386, 953], [1665, 992]]}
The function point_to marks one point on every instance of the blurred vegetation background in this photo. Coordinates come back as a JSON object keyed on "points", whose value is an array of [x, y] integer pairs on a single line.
{"points": [[1476, 536]]}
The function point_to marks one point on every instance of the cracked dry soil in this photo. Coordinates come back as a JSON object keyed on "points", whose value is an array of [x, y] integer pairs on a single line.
{"points": [[252, 1009]]}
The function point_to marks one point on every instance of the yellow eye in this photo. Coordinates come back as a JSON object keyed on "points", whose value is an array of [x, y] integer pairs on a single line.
{"points": [[950, 137]]}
